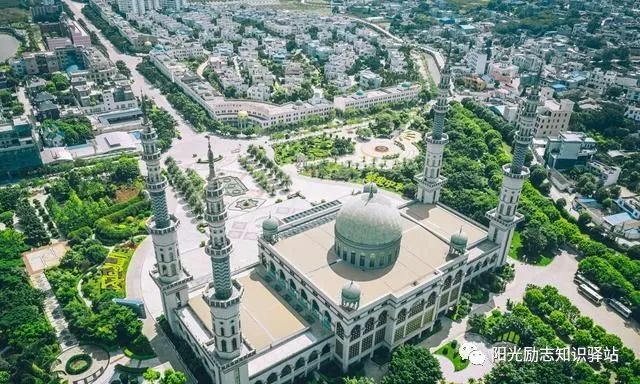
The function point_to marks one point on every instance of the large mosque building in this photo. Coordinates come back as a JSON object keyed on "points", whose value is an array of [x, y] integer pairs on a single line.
{"points": [[334, 282]]}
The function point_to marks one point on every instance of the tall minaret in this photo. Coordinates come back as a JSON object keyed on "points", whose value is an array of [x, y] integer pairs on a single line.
{"points": [[223, 294], [430, 181], [503, 219], [169, 275]]}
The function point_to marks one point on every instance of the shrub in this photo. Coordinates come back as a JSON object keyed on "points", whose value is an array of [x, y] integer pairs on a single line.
{"points": [[78, 364]]}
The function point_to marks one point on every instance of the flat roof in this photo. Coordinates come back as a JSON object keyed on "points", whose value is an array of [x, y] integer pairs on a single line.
{"points": [[266, 317], [422, 250]]}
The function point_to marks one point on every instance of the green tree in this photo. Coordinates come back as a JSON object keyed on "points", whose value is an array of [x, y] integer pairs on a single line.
{"points": [[173, 377], [357, 380], [412, 364], [151, 375], [533, 242]]}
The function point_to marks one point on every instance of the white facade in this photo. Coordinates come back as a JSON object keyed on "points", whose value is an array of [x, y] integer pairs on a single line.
{"points": [[608, 174], [632, 112], [553, 117], [368, 99], [477, 62]]}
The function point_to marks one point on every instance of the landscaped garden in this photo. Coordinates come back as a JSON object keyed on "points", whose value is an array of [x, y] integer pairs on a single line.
{"points": [[450, 351], [518, 252], [313, 148], [189, 184]]}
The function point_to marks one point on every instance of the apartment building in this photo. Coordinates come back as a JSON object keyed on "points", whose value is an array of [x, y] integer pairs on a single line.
{"points": [[368, 99], [553, 117], [18, 146], [569, 149]]}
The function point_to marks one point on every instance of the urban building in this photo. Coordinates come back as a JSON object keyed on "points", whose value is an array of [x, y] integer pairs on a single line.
{"points": [[608, 174], [553, 117], [19, 148], [569, 149], [367, 99], [477, 62]]}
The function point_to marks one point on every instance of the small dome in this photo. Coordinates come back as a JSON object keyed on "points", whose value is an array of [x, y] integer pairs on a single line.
{"points": [[242, 114], [147, 43], [369, 220], [459, 240], [351, 291], [270, 224]]}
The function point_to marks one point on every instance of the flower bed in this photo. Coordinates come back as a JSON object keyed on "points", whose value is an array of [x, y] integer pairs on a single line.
{"points": [[78, 364]]}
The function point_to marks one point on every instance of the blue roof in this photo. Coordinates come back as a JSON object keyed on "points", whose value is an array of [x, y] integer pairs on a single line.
{"points": [[558, 86], [618, 218]]}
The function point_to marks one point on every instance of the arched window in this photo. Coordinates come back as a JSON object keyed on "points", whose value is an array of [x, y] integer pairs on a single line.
{"points": [[300, 363], [223, 345], [292, 285], [369, 325], [416, 308], [272, 378], [313, 356], [493, 258], [458, 277], [272, 267], [432, 299], [340, 331], [355, 332], [382, 319], [447, 282], [402, 315], [469, 272], [485, 263], [281, 275], [315, 306], [477, 268], [303, 295], [233, 329], [285, 371], [327, 317], [234, 344], [221, 331], [326, 349]]}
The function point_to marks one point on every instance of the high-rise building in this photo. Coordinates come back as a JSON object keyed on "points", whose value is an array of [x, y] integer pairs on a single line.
{"points": [[172, 5], [18, 146], [504, 218], [430, 181], [169, 275]]}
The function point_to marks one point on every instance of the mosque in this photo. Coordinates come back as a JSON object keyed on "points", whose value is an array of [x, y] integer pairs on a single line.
{"points": [[336, 282]]}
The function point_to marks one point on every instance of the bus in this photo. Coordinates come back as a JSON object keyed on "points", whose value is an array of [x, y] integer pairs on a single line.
{"points": [[579, 279], [620, 308], [590, 293]]}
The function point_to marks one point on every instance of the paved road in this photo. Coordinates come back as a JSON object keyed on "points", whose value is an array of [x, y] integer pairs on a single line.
{"points": [[560, 275], [139, 83]]}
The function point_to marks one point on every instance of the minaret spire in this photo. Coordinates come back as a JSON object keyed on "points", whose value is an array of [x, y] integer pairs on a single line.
{"points": [[169, 275], [430, 181], [503, 219], [224, 294]]}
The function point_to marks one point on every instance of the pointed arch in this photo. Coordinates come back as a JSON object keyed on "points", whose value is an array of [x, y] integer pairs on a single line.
{"points": [[447, 283], [432, 299], [382, 319], [402, 315], [369, 325], [285, 371], [340, 331], [458, 277], [355, 332], [326, 349]]}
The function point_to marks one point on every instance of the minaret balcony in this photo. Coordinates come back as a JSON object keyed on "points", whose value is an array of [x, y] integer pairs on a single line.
{"points": [[237, 292], [174, 223], [430, 183], [524, 172], [493, 215], [215, 217], [155, 155], [216, 251], [158, 186], [444, 139]]}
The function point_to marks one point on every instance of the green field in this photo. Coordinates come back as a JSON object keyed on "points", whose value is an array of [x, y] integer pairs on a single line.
{"points": [[450, 351]]}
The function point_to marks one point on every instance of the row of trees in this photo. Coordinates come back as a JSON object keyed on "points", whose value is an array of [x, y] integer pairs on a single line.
{"points": [[547, 319], [264, 170], [31, 225], [188, 183], [31, 341]]}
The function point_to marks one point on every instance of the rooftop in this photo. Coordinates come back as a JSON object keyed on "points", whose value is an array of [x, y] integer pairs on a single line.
{"points": [[423, 249], [266, 317]]}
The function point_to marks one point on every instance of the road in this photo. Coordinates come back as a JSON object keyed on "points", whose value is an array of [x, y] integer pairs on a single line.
{"points": [[139, 84], [558, 274]]}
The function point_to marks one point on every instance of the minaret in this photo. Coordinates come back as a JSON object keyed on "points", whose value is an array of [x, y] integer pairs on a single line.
{"points": [[223, 295], [430, 181], [503, 219], [169, 275]]}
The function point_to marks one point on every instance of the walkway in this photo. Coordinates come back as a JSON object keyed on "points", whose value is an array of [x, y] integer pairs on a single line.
{"points": [[53, 311]]}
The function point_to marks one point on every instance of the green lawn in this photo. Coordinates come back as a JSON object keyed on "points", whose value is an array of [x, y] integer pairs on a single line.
{"points": [[451, 353], [517, 253], [511, 337]]}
